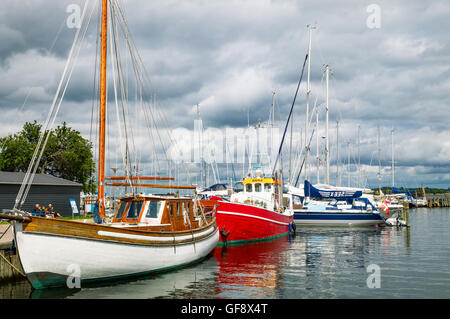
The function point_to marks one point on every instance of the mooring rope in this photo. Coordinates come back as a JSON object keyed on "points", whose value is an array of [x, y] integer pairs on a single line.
{"points": [[14, 267]]}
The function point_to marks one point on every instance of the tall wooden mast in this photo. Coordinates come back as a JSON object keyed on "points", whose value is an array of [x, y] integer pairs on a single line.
{"points": [[102, 113]]}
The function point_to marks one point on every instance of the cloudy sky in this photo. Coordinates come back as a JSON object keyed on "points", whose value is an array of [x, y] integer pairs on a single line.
{"points": [[390, 64]]}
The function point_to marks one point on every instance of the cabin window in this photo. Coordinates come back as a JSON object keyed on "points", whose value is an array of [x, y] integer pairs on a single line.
{"points": [[218, 187], [238, 187], [267, 187], [296, 200], [248, 188], [134, 210], [171, 210], [153, 209], [258, 187], [186, 208], [121, 210], [178, 209]]}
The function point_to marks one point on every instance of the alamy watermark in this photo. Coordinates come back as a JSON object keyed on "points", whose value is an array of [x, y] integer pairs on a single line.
{"points": [[74, 18], [74, 278], [228, 145], [373, 21], [374, 279]]}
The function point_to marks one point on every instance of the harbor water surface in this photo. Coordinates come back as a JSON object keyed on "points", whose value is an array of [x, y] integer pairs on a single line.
{"points": [[315, 263]]}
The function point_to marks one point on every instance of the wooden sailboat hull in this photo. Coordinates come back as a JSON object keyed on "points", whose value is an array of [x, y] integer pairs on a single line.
{"points": [[58, 253]]}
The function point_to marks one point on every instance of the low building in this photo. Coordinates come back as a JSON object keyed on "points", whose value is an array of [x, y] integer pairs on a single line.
{"points": [[45, 189]]}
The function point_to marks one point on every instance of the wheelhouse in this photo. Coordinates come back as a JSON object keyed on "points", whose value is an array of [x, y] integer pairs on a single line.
{"points": [[259, 185], [172, 213]]}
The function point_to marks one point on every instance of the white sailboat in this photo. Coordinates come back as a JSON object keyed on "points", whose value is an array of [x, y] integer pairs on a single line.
{"points": [[147, 234], [340, 207]]}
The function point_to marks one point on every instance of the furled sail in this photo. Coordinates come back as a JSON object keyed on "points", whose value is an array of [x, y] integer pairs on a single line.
{"points": [[396, 191], [311, 191]]}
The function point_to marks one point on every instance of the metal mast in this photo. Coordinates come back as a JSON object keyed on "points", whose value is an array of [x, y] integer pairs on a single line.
{"points": [[327, 150], [273, 108], [290, 148], [337, 153], [359, 157], [348, 163], [317, 146], [393, 171], [272, 126], [379, 160], [308, 92]]}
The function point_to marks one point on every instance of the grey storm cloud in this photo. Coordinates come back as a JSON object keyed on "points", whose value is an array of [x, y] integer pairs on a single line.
{"points": [[229, 56]]}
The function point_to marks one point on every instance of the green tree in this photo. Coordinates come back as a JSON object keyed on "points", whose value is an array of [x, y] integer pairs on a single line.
{"points": [[67, 154]]}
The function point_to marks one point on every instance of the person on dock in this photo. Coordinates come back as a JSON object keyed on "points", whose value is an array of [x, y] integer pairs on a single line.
{"points": [[50, 211], [37, 211], [47, 214]]}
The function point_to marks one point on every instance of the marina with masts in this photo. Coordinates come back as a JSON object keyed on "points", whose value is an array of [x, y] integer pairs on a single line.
{"points": [[287, 193]]}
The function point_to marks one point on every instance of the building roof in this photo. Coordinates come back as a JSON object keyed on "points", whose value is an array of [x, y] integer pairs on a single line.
{"points": [[39, 179]]}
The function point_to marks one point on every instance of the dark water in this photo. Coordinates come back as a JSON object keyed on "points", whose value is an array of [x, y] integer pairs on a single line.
{"points": [[316, 263]]}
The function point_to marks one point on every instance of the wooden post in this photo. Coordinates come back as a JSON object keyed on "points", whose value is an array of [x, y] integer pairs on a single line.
{"points": [[7, 272], [408, 224]]}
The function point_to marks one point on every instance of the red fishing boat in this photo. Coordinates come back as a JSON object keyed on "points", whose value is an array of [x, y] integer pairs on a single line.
{"points": [[261, 212]]}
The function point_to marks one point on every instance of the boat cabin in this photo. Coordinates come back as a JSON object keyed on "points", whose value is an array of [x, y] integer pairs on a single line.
{"points": [[261, 192], [160, 213], [259, 185]]}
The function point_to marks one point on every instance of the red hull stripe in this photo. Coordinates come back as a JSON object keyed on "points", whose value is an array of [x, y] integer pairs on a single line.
{"points": [[253, 216], [246, 223], [252, 211]]}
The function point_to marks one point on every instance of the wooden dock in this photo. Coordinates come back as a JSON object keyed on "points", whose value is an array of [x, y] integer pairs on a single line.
{"points": [[18, 289], [10, 267], [438, 202]]}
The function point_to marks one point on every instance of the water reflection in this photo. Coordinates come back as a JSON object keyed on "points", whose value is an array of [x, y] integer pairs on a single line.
{"points": [[323, 258], [20, 289], [311, 264], [183, 283], [316, 263], [252, 270]]}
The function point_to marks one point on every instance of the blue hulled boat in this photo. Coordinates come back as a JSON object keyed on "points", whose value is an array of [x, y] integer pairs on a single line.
{"points": [[336, 207]]}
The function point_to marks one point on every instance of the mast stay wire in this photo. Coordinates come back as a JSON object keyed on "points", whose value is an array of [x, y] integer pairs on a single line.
{"points": [[123, 99], [19, 110], [314, 109], [139, 80], [289, 117], [70, 63], [144, 77], [121, 141]]}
